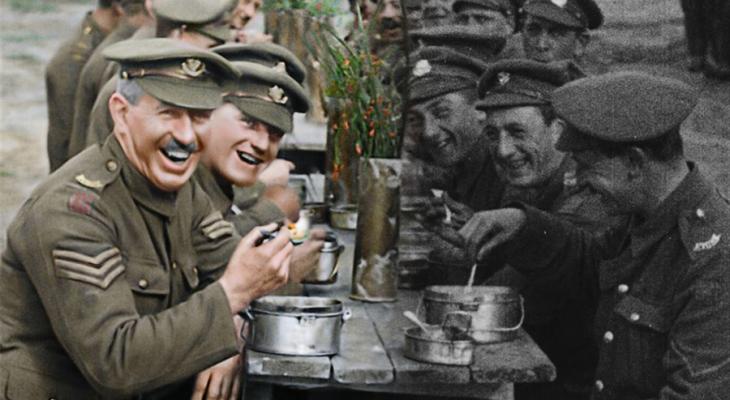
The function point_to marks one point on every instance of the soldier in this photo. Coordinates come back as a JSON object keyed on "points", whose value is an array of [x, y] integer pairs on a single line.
{"points": [[443, 129], [660, 284], [128, 290], [479, 28], [521, 130], [555, 30], [63, 72], [200, 23], [243, 12], [92, 75], [244, 137], [698, 30]]}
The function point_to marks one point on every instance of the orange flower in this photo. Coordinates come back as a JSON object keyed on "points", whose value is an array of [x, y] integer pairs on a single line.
{"points": [[371, 133]]}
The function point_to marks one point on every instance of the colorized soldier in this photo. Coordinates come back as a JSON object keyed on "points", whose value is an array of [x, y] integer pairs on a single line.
{"points": [[555, 30], [63, 72], [660, 283], [199, 23], [92, 77], [243, 141], [134, 285]]}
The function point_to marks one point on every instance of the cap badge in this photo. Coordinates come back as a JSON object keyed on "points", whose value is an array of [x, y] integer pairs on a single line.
{"points": [[193, 67], [421, 68], [560, 3], [277, 94], [503, 78], [280, 67]]}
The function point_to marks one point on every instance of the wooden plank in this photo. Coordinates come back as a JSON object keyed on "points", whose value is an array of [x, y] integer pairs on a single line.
{"points": [[520, 360], [390, 323], [288, 366], [362, 358]]}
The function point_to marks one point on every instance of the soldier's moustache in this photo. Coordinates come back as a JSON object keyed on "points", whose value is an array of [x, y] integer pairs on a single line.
{"points": [[174, 145]]}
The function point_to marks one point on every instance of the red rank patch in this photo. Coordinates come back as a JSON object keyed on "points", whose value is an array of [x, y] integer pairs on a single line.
{"points": [[81, 202]]}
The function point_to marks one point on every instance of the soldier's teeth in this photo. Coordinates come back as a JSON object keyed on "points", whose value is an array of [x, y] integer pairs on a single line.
{"points": [[176, 155], [249, 159]]}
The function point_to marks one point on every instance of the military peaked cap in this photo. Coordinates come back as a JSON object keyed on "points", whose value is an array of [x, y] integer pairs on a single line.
{"points": [[621, 107], [203, 16], [579, 14], [173, 71], [435, 71], [520, 82], [267, 94], [506, 7], [268, 54]]}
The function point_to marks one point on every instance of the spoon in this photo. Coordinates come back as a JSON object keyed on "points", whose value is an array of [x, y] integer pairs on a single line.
{"points": [[471, 278], [412, 317]]}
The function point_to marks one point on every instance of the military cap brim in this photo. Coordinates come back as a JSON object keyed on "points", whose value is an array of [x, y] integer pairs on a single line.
{"points": [[193, 84], [446, 35], [621, 107], [587, 15], [435, 71], [194, 12], [506, 7], [268, 53], [522, 82], [255, 94]]}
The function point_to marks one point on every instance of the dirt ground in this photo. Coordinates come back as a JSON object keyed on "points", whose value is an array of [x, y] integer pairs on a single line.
{"points": [[643, 35]]}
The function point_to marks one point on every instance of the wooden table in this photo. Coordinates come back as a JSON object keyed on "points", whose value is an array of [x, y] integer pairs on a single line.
{"points": [[371, 354]]}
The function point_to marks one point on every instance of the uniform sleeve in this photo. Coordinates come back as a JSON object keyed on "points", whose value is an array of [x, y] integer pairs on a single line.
{"points": [[697, 362], [261, 213], [214, 238], [78, 271], [554, 253], [83, 103]]}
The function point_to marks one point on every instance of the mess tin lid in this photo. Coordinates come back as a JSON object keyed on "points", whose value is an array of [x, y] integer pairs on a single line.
{"points": [[296, 305]]}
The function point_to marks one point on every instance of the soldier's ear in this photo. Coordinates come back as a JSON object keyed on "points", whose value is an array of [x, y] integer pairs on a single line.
{"points": [[118, 108], [637, 160], [581, 43], [556, 129]]}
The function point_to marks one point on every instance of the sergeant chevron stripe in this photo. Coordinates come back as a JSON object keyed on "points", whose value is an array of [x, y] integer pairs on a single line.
{"points": [[214, 226], [100, 270]]}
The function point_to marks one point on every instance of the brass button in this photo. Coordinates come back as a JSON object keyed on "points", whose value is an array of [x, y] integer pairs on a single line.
{"points": [[195, 271], [700, 213], [143, 283], [174, 265], [634, 317], [599, 385], [87, 30], [623, 288], [112, 165], [608, 337]]}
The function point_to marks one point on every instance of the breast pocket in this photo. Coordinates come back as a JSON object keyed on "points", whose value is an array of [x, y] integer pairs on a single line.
{"points": [[645, 326], [150, 285]]}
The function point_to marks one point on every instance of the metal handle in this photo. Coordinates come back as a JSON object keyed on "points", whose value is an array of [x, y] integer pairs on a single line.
{"points": [[519, 324], [346, 314], [247, 319]]}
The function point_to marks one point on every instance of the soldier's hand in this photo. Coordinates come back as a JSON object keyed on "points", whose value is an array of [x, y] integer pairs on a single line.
{"points": [[489, 229], [305, 257], [276, 173], [449, 246], [285, 198], [254, 271], [460, 213], [221, 381]]}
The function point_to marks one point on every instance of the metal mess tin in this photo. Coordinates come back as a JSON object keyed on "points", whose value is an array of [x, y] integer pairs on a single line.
{"points": [[435, 347], [326, 270], [297, 325], [497, 312]]}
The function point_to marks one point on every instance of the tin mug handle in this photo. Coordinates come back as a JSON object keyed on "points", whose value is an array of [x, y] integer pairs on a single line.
{"points": [[519, 324]]}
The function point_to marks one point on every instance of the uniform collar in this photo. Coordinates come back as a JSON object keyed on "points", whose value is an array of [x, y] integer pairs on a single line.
{"points": [[690, 192], [141, 189], [219, 192]]}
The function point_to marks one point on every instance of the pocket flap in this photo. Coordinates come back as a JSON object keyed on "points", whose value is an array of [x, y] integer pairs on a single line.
{"points": [[639, 312], [147, 278]]}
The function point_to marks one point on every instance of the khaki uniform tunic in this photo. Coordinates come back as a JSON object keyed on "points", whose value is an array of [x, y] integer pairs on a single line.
{"points": [[62, 74], [661, 288], [109, 284], [89, 85]]}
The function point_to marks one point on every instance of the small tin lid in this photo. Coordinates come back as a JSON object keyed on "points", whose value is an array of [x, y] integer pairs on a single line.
{"points": [[477, 294]]}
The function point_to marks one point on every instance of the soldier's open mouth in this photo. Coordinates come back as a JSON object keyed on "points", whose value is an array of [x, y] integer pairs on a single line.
{"points": [[175, 155], [248, 159]]}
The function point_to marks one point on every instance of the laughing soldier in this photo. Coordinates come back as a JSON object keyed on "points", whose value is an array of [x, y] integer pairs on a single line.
{"points": [[120, 278]]}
